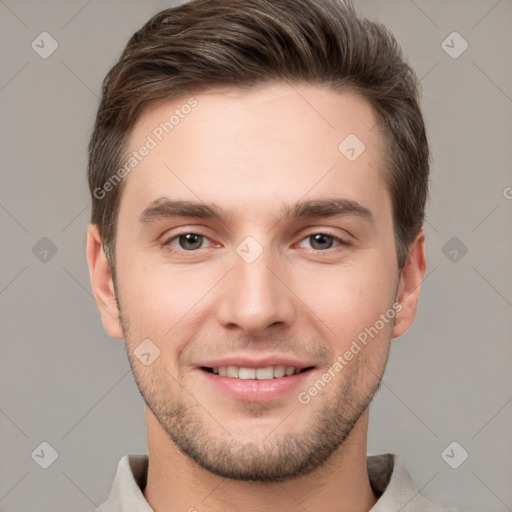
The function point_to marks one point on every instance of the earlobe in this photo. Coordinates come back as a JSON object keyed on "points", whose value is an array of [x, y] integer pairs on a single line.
{"points": [[102, 284], [410, 285]]}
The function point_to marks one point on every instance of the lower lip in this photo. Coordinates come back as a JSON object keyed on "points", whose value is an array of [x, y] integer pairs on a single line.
{"points": [[256, 390]]}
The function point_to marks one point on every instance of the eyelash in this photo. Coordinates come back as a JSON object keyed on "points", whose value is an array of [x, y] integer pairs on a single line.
{"points": [[182, 252]]}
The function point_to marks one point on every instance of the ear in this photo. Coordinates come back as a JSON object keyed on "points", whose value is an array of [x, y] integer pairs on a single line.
{"points": [[409, 285], [102, 284]]}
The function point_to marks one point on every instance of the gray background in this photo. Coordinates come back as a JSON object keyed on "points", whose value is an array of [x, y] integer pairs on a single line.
{"points": [[64, 381]]}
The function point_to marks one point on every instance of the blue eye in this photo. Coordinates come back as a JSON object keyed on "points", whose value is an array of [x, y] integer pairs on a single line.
{"points": [[324, 241], [187, 241]]}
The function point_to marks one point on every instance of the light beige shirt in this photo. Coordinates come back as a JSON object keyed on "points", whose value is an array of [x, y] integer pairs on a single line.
{"points": [[388, 477]]}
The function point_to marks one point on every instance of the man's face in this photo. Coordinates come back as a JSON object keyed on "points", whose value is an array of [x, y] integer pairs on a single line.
{"points": [[256, 288]]}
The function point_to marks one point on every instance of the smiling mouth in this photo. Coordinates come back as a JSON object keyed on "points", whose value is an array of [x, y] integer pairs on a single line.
{"points": [[266, 373]]}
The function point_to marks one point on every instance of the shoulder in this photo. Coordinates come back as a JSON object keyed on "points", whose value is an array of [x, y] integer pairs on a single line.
{"points": [[396, 489], [126, 493]]}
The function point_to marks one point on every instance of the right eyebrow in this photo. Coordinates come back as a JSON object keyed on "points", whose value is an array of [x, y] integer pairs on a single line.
{"points": [[164, 207]]}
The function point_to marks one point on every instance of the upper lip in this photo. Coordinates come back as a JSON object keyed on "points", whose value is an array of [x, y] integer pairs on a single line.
{"points": [[246, 361]]}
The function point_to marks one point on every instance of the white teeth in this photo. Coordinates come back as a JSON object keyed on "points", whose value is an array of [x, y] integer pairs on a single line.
{"points": [[232, 371], [279, 371], [247, 373], [266, 373]]}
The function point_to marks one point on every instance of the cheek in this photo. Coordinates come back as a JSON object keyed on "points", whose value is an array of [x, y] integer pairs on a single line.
{"points": [[160, 300], [348, 298], [144, 295]]}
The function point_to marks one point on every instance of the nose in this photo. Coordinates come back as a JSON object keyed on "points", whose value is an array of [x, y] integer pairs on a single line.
{"points": [[255, 295]]}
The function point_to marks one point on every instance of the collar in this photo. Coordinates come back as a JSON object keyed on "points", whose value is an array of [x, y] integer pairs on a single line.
{"points": [[388, 476]]}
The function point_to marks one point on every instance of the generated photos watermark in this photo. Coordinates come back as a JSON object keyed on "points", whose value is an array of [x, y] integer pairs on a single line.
{"points": [[342, 361], [152, 140]]}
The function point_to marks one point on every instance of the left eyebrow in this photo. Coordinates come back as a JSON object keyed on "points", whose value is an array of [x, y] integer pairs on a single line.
{"points": [[164, 207], [326, 208]]}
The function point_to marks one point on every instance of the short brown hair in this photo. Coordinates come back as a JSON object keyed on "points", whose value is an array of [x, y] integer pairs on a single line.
{"points": [[206, 44]]}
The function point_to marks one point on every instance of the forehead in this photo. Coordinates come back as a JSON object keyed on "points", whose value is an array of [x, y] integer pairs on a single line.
{"points": [[272, 145]]}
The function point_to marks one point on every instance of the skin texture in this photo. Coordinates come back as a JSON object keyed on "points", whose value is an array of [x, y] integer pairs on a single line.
{"points": [[253, 153]]}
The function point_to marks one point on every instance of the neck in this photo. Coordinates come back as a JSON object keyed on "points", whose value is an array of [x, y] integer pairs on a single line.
{"points": [[175, 482]]}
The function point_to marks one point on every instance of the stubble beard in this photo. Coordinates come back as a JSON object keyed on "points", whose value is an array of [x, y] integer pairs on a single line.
{"points": [[275, 458]]}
